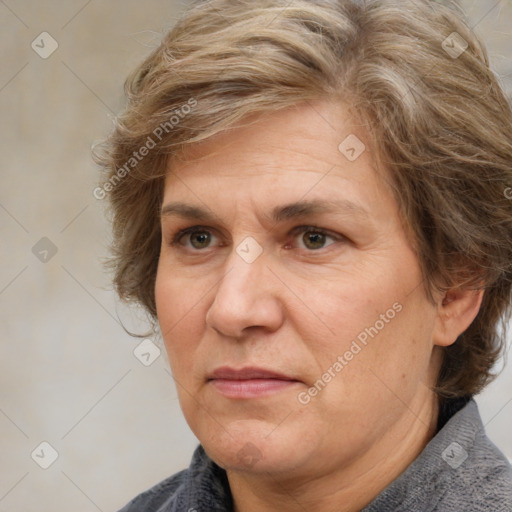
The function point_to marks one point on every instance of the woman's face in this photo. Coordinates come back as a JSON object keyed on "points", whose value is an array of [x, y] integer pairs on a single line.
{"points": [[293, 309]]}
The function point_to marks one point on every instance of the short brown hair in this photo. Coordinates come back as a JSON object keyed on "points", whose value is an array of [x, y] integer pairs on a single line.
{"points": [[438, 118]]}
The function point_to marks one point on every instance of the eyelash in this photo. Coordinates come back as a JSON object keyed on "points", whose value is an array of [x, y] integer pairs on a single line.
{"points": [[295, 231]]}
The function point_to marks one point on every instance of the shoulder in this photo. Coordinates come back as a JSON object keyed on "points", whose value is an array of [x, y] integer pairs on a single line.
{"points": [[484, 486], [475, 475], [478, 476], [460, 470], [202, 486], [158, 497]]}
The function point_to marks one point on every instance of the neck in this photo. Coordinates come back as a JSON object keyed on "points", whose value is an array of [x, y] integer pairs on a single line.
{"points": [[353, 484]]}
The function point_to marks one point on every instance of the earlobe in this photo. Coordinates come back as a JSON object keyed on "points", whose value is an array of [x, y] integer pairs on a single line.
{"points": [[456, 311]]}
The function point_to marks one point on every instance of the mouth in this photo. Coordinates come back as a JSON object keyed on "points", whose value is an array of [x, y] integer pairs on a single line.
{"points": [[249, 382]]}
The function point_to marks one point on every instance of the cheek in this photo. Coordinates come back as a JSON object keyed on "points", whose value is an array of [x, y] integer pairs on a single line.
{"points": [[345, 308], [166, 304], [384, 326], [179, 317], [398, 357]]}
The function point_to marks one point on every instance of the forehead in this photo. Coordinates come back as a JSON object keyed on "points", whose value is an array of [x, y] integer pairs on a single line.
{"points": [[304, 151]]}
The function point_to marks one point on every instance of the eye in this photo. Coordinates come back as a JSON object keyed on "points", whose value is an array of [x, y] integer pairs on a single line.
{"points": [[313, 238], [198, 236]]}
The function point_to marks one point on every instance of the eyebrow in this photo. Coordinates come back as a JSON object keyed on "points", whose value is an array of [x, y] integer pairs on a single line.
{"points": [[279, 213]]}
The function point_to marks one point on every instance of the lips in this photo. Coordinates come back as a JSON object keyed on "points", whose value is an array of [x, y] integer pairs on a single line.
{"points": [[249, 382], [247, 373]]}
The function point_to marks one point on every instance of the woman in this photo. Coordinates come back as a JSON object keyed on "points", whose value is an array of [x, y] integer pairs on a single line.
{"points": [[308, 199]]}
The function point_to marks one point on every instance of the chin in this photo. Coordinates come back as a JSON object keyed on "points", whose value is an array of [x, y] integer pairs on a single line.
{"points": [[255, 446]]}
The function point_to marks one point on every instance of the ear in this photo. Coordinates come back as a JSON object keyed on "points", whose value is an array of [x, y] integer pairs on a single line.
{"points": [[456, 309]]}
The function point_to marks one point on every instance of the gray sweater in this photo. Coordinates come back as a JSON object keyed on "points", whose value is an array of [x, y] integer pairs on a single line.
{"points": [[460, 470]]}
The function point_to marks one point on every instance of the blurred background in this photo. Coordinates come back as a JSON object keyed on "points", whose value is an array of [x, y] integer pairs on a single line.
{"points": [[88, 418]]}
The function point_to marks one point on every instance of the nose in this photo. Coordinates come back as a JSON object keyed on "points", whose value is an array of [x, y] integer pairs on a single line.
{"points": [[247, 297]]}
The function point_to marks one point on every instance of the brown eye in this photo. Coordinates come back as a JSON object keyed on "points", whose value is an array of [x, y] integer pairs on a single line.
{"points": [[195, 238], [314, 238], [201, 237]]}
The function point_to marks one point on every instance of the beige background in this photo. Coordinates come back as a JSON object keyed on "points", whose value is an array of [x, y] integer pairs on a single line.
{"points": [[68, 375]]}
